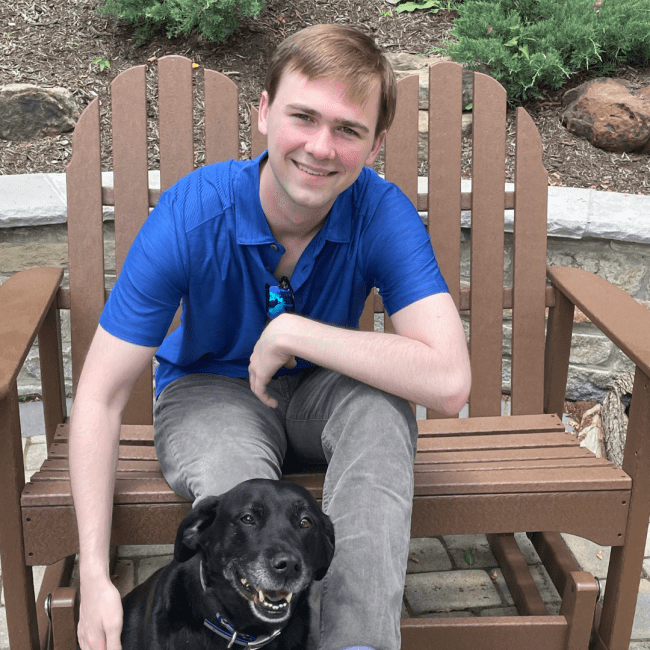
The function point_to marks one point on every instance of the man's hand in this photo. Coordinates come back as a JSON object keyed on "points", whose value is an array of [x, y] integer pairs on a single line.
{"points": [[100, 617], [271, 353]]}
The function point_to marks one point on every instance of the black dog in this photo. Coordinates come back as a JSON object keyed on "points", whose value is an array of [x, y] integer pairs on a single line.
{"points": [[243, 563]]}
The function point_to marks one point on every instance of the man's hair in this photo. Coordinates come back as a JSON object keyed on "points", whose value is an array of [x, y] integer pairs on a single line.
{"points": [[341, 52]]}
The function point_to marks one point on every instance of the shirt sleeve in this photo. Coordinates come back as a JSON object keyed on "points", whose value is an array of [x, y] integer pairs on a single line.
{"points": [[153, 279], [399, 254]]}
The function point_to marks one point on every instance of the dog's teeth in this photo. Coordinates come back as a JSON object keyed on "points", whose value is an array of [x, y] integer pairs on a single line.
{"points": [[260, 593], [288, 597]]}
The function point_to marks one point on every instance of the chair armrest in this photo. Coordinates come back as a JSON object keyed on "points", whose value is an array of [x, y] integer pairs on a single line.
{"points": [[25, 299], [625, 321]]}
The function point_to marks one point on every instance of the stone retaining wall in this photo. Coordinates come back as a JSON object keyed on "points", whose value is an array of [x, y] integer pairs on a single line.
{"points": [[576, 240]]}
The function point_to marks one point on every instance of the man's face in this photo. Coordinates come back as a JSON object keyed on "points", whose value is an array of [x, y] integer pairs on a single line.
{"points": [[319, 139]]}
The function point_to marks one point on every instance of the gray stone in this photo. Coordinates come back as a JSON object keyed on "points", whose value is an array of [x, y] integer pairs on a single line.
{"points": [[450, 591], [28, 112], [4, 632], [568, 211], [590, 557], [32, 200], [641, 628], [430, 555], [621, 217], [148, 566], [458, 546], [123, 576], [590, 350]]}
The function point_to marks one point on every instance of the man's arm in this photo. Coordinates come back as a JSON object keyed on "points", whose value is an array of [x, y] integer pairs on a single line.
{"points": [[110, 371], [425, 361]]}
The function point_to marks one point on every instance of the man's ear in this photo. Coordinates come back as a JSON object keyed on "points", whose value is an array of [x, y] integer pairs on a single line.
{"points": [[263, 113], [379, 140], [189, 532]]}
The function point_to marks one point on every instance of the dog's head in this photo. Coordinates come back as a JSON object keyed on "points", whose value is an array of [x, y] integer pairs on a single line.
{"points": [[267, 539]]}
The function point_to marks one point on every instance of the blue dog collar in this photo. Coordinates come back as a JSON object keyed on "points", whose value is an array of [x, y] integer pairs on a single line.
{"points": [[226, 630]]}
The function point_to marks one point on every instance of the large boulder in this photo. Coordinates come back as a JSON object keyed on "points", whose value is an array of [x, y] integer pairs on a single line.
{"points": [[28, 112], [609, 114]]}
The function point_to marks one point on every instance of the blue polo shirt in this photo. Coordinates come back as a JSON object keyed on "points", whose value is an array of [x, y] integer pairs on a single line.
{"points": [[207, 245]]}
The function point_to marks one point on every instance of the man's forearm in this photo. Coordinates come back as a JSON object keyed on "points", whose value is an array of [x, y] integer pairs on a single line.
{"points": [[397, 364], [94, 441]]}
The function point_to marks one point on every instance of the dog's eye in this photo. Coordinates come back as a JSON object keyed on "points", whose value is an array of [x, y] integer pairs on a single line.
{"points": [[305, 523], [247, 519]]}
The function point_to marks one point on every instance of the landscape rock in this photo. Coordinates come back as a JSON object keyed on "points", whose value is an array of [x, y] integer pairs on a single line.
{"points": [[28, 112], [407, 64], [609, 114]]}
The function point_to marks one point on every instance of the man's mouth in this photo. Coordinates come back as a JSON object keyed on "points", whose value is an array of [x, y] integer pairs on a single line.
{"points": [[313, 172], [273, 603]]}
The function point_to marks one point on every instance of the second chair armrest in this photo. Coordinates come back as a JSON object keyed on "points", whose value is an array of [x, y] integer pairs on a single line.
{"points": [[25, 299], [625, 321]]}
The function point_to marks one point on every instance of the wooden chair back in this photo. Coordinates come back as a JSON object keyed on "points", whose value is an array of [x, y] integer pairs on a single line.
{"points": [[442, 201]]}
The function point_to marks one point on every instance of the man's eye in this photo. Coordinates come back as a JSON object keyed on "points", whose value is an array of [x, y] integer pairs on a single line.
{"points": [[348, 131]]}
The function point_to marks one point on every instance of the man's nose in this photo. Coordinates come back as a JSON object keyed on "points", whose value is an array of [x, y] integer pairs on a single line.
{"points": [[321, 145]]}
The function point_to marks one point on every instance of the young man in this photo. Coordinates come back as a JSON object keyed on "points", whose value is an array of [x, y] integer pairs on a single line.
{"points": [[272, 260]]}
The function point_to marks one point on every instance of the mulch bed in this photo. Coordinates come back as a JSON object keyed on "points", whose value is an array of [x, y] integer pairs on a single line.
{"points": [[56, 44]]}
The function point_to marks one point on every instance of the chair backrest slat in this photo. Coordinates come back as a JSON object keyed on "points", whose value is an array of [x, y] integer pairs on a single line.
{"points": [[130, 180], [176, 134], [221, 118], [401, 151], [131, 190], [529, 270], [488, 200], [85, 236], [445, 148]]}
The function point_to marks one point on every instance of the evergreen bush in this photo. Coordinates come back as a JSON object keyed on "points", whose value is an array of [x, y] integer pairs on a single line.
{"points": [[215, 19], [529, 44]]}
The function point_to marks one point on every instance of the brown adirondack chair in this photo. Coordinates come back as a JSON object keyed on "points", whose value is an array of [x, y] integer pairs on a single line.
{"points": [[482, 474]]}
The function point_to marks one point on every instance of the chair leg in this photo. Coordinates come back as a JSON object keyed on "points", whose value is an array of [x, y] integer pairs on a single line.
{"points": [[626, 562], [56, 576], [579, 606], [65, 613], [16, 576]]}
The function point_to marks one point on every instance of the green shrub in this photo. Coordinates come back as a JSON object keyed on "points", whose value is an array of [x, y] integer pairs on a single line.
{"points": [[215, 19], [528, 44]]}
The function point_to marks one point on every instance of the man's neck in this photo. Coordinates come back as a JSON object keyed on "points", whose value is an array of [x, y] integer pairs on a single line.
{"points": [[288, 222]]}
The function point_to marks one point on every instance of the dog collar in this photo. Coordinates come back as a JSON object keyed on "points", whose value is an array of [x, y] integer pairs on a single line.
{"points": [[226, 630]]}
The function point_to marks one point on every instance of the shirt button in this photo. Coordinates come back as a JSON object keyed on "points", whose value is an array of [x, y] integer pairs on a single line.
{"points": [[274, 247]]}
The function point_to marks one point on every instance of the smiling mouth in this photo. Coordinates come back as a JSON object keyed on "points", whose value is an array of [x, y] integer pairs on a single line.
{"points": [[313, 172], [272, 603]]}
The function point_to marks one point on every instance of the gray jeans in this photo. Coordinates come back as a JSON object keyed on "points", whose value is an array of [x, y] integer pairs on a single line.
{"points": [[212, 432]]}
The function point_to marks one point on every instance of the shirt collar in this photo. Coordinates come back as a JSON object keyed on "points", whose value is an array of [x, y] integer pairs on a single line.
{"points": [[252, 226]]}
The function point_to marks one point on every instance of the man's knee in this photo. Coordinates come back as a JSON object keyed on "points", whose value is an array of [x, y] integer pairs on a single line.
{"points": [[371, 418]]}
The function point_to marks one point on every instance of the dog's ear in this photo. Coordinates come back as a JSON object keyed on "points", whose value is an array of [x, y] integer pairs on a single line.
{"points": [[189, 532], [325, 547]]}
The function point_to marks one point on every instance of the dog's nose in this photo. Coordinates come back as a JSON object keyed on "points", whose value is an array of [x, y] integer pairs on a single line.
{"points": [[286, 564]]}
